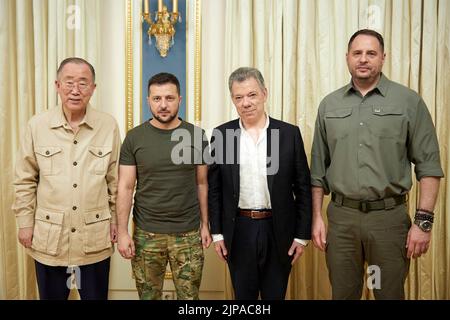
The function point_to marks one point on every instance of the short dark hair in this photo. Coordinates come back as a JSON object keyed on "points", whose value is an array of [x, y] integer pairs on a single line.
{"points": [[163, 78], [75, 60], [367, 32]]}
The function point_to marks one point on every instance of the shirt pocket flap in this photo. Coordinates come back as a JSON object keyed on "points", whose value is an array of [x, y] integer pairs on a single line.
{"points": [[100, 151], [97, 215], [49, 216], [48, 151], [340, 113], [387, 110]]}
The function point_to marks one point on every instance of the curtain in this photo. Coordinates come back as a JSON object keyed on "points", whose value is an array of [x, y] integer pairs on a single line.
{"points": [[35, 36], [300, 46]]}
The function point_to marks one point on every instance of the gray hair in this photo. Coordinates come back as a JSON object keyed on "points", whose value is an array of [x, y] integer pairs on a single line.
{"points": [[75, 60], [244, 73]]}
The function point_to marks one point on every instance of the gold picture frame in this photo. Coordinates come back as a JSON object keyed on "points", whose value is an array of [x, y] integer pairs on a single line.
{"points": [[134, 75]]}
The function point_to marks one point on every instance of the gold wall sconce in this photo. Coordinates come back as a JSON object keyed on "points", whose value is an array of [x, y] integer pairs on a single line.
{"points": [[163, 26]]}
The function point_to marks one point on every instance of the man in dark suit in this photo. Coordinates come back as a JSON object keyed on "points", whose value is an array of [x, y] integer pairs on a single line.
{"points": [[259, 193]]}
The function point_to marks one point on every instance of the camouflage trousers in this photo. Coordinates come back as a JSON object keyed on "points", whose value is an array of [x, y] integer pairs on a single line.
{"points": [[183, 251]]}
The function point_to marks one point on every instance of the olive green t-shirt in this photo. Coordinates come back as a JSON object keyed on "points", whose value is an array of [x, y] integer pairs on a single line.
{"points": [[166, 190], [363, 147]]}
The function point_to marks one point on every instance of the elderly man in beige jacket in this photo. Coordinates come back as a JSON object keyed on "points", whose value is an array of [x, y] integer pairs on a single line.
{"points": [[65, 189]]}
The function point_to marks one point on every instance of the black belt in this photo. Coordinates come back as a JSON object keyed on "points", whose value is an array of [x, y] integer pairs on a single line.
{"points": [[366, 206]]}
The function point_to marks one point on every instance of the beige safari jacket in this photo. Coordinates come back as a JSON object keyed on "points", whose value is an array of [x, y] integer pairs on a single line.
{"points": [[66, 187]]}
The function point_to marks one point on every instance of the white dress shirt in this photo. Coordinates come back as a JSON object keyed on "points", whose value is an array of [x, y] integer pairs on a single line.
{"points": [[253, 188]]}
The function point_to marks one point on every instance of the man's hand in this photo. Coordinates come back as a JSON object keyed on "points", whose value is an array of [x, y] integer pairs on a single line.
{"points": [[125, 245], [206, 236], [319, 233], [296, 250], [417, 242], [113, 231], [26, 236], [221, 250]]}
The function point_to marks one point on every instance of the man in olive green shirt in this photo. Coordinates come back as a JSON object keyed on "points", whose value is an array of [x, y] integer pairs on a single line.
{"points": [[367, 135], [163, 159]]}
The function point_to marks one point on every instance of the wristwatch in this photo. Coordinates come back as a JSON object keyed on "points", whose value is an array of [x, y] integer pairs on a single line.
{"points": [[424, 225]]}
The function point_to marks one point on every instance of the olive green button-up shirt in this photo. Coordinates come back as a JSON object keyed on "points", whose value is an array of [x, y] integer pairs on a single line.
{"points": [[363, 146], [66, 186]]}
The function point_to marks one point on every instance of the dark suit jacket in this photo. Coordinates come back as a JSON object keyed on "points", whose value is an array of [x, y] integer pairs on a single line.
{"points": [[289, 187]]}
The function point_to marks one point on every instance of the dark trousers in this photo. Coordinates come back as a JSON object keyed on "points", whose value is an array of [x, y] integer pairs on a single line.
{"points": [[92, 280], [254, 264], [377, 238]]}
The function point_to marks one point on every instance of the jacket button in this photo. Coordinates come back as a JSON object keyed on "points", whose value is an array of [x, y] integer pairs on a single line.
{"points": [[73, 230], [47, 217], [75, 185], [75, 163], [97, 216], [100, 153], [74, 208], [47, 152], [75, 142]]}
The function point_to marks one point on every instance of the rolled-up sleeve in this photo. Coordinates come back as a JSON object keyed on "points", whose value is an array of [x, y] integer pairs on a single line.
{"points": [[423, 148], [25, 181], [320, 155]]}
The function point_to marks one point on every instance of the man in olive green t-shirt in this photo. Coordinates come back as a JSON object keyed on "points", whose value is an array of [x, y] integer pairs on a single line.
{"points": [[163, 157], [367, 135]]}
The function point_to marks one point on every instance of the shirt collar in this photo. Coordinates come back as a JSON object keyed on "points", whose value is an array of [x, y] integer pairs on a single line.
{"points": [[382, 86], [265, 126], [59, 120]]}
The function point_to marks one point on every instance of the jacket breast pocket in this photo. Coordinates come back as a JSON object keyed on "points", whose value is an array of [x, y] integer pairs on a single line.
{"points": [[337, 123], [387, 122], [49, 160], [98, 159], [47, 231], [96, 235]]}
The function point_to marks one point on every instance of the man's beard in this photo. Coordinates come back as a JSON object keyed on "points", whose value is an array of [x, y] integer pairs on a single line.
{"points": [[168, 120]]}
